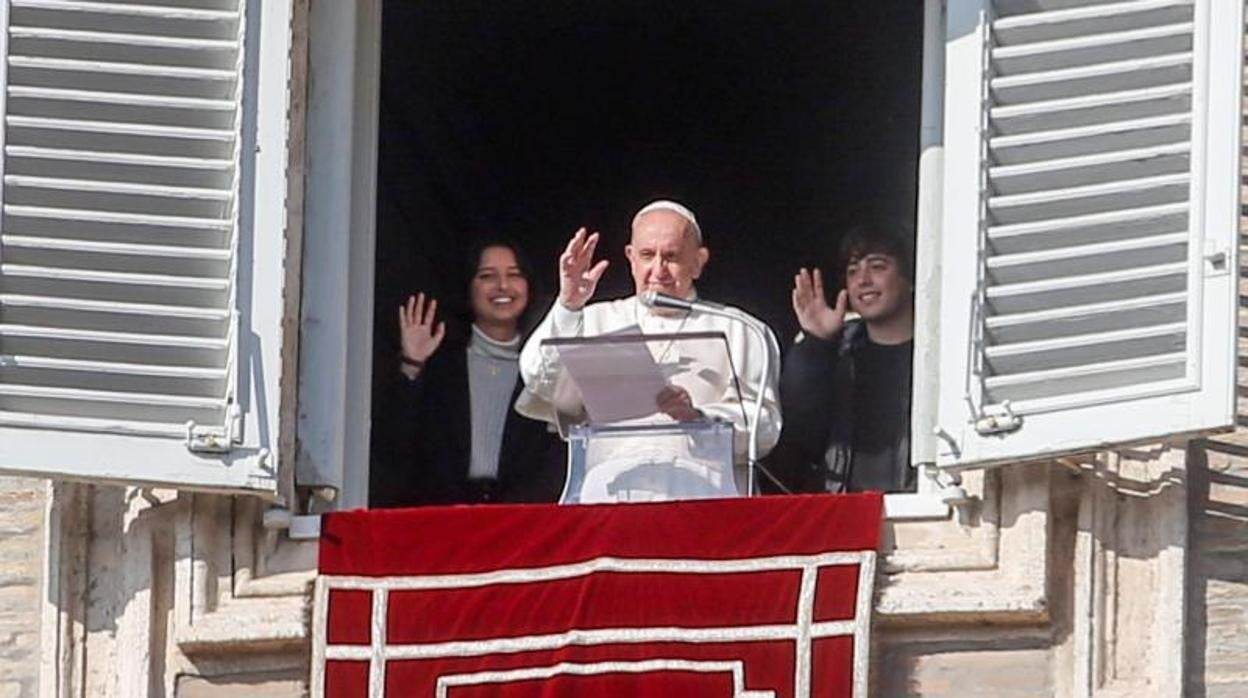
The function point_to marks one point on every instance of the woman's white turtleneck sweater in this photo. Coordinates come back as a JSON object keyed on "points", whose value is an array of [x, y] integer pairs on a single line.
{"points": [[493, 367]]}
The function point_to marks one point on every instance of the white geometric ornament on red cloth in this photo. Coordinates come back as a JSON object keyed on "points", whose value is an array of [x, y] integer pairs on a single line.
{"points": [[784, 623]]}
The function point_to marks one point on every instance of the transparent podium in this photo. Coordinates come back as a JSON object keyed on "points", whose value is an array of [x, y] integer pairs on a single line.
{"points": [[620, 447]]}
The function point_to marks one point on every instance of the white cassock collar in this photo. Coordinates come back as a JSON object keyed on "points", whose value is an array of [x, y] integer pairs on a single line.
{"points": [[651, 322]]}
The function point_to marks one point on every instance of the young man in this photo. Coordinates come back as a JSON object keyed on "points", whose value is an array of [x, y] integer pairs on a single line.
{"points": [[845, 390]]}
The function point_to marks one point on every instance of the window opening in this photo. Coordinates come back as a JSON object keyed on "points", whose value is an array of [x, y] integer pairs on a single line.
{"points": [[779, 127]]}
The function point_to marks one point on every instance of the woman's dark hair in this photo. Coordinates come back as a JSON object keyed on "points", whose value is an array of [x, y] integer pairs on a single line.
{"points": [[528, 319], [892, 238]]}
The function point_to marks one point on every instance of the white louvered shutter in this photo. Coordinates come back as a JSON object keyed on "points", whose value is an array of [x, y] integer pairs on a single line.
{"points": [[140, 245], [1090, 224]]}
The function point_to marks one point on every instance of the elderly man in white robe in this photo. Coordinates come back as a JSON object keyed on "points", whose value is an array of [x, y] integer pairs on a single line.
{"points": [[666, 255]]}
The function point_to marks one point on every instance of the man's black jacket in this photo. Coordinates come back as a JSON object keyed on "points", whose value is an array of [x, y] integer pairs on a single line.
{"points": [[817, 389]]}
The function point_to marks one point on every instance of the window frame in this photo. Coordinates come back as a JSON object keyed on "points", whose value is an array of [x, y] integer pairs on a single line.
{"points": [[336, 328], [333, 458]]}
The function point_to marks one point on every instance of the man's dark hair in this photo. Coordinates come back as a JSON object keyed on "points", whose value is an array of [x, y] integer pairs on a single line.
{"points": [[892, 238]]}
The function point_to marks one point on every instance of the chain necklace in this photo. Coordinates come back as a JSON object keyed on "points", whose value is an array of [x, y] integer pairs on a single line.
{"points": [[671, 342]]}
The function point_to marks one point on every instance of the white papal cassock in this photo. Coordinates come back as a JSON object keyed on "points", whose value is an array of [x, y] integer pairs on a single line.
{"points": [[697, 367]]}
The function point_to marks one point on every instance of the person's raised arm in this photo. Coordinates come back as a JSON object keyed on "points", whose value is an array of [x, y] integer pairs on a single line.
{"points": [[809, 368], [810, 305], [578, 273], [578, 279], [418, 336]]}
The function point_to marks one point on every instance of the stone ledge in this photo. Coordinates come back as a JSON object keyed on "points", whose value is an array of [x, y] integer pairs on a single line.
{"points": [[975, 602], [249, 626]]}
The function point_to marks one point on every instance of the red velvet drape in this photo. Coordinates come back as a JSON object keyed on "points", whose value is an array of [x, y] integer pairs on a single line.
{"points": [[672, 599]]}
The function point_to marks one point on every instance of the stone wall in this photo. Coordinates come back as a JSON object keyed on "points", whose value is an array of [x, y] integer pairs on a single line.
{"points": [[21, 584], [1217, 598], [1217, 651]]}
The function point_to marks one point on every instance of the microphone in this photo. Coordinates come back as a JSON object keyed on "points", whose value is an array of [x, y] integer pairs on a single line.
{"points": [[662, 301], [654, 299]]}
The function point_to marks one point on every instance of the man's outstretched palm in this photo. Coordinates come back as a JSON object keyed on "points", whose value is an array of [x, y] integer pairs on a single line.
{"points": [[810, 305], [578, 275]]}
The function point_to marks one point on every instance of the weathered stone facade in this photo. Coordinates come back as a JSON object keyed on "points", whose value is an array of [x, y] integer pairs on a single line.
{"points": [[22, 547], [1217, 583], [1061, 580], [1122, 574]]}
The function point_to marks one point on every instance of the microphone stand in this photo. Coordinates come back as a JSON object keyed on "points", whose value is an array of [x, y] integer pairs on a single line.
{"points": [[654, 299]]}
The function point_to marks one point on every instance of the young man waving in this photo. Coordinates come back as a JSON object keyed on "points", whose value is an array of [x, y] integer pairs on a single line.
{"points": [[845, 390]]}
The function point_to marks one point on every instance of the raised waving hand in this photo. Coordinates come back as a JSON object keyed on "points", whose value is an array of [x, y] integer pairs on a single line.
{"points": [[578, 274], [419, 338], [810, 305]]}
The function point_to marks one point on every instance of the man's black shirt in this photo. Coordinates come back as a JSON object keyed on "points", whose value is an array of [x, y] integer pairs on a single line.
{"points": [[846, 406], [880, 419]]}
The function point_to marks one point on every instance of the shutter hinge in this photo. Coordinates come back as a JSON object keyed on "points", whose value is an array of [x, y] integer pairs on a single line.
{"points": [[208, 440], [998, 423]]}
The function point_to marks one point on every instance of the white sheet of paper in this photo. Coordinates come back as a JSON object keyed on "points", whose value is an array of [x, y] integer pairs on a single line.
{"points": [[617, 381]]}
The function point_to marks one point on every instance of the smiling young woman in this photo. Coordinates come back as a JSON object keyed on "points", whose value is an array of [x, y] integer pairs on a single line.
{"points": [[469, 444]]}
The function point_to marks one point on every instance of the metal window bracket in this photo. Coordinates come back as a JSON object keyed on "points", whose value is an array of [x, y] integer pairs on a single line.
{"points": [[1217, 257], [296, 526], [946, 485], [998, 423], [210, 440]]}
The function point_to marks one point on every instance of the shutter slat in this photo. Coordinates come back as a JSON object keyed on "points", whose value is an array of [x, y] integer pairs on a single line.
{"points": [[1047, 322], [1076, 14], [138, 219], [89, 66], [129, 9], [117, 248], [1117, 99], [113, 367], [83, 395], [1130, 127], [1089, 191], [1003, 351], [1053, 262], [84, 185], [1096, 71], [1160, 271], [1003, 173], [1094, 220], [121, 98], [84, 305], [111, 425], [1071, 314], [1084, 372], [114, 277], [135, 338], [1021, 388], [129, 40], [135, 159], [1181, 30], [122, 128]]}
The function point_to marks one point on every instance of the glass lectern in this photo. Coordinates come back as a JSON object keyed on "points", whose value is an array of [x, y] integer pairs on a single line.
{"points": [[620, 447]]}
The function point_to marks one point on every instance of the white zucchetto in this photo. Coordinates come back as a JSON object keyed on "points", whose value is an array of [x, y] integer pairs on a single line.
{"points": [[678, 209]]}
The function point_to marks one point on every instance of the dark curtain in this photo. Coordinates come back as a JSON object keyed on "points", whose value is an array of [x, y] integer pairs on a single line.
{"points": [[779, 123]]}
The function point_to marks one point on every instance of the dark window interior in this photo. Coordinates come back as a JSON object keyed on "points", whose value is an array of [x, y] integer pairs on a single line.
{"points": [[778, 123]]}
